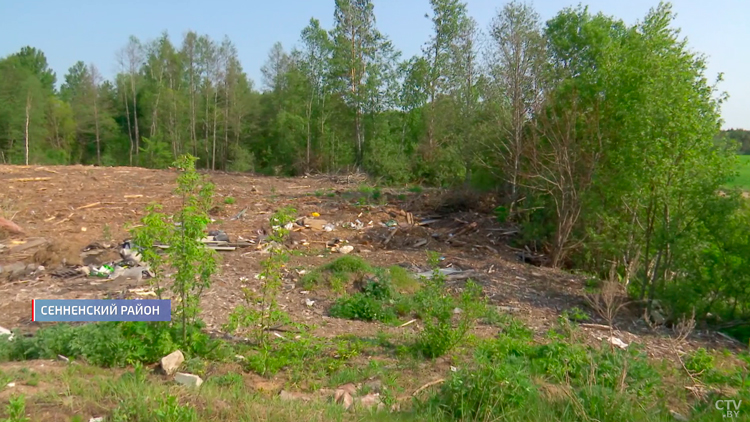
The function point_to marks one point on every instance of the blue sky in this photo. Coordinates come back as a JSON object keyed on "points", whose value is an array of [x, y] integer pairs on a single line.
{"points": [[93, 30]]}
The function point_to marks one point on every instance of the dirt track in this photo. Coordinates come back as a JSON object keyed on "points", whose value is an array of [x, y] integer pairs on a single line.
{"points": [[74, 206]]}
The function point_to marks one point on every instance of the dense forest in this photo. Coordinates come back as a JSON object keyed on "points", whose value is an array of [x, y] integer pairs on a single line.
{"points": [[602, 138]]}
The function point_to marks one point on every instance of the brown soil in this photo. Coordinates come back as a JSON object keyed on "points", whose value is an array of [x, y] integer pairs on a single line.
{"points": [[73, 206]]}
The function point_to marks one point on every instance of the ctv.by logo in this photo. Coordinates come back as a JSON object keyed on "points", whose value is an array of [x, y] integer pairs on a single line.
{"points": [[731, 407]]}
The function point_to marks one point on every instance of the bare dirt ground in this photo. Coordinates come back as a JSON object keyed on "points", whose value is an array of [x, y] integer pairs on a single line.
{"points": [[64, 209]]}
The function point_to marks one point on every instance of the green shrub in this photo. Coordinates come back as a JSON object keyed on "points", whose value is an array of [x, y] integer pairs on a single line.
{"points": [[111, 344]]}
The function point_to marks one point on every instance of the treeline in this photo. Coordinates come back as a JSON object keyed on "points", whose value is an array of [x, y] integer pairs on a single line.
{"points": [[603, 138], [741, 137]]}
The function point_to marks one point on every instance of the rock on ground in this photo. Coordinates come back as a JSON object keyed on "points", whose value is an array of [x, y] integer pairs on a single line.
{"points": [[172, 362], [189, 380]]}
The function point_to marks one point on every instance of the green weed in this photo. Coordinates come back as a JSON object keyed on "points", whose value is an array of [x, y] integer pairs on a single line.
{"points": [[16, 409]]}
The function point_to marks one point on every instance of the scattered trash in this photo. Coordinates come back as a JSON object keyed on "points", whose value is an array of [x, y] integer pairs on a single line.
{"points": [[11, 384], [6, 332], [314, 224], [315, 214], [99, 419], [63, 358], [328, 227], [356, 225], [309, 302], [617, 342], [219, 236], [103, 271]]}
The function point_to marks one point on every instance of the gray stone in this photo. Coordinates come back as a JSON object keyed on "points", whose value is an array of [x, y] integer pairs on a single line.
{"points": [[374, 386], [189, 380], [171, 362]]}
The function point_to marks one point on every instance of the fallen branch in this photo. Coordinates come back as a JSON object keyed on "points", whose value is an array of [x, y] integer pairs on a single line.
{"points": [[30, 179], [428, 385], [390, 237], [730, 338], [93, 204], [240, 214], [597, 326], [407, 323], [10, 226]]}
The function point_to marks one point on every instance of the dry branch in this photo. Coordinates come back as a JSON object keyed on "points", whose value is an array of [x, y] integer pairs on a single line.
{"points": [[30, 179], [10, 226]]}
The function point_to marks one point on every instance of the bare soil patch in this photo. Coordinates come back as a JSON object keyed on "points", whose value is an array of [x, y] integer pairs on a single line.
{"points": [[64, 209]]}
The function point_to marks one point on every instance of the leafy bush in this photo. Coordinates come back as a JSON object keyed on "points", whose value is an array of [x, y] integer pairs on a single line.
{"points": [[373, 303], [436, 307], [111, 344], [514, 379], [362, 307], [336, 274]]}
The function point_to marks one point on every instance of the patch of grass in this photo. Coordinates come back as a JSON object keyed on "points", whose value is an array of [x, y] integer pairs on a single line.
{"points": [[229, 200], [416, 189], [336, 274], [742, 180], [575, 314], [403, 282], [304, 358], [16, 409], [515, 379], [111, 344]]}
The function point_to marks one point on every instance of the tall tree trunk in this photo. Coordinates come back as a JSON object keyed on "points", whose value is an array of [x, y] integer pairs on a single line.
{"points": [[96, 128], [216, 107], [135, 115], [206, 129], [28, 116], [309, 133], [227, 113], [155, 114], [130, 131]]}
